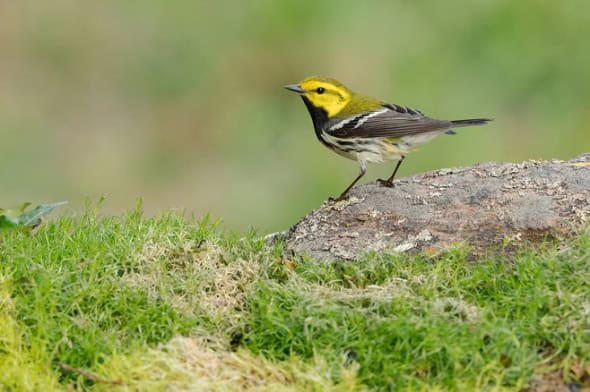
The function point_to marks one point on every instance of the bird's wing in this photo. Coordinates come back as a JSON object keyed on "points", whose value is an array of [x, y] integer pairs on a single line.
{"points": [[388, 121]]}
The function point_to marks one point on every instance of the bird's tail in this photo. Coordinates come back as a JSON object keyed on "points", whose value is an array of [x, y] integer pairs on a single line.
{"points": [[469, 122]]}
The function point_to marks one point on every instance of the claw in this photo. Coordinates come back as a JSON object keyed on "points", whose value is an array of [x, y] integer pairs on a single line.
{"points": [[386, 183], [337, 199]]}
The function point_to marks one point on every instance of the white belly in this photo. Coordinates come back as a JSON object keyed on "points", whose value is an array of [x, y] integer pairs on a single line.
{"points": [[413, 141], [379, 149]]}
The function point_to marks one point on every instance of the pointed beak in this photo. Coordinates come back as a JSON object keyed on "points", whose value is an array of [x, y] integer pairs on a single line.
{"points": [[295, 88]]}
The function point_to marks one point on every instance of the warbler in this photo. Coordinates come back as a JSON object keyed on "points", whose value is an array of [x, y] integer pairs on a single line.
{"points": [[366, 129]]}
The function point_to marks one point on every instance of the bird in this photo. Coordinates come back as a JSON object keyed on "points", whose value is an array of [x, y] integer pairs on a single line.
{"points": [[366, 129]]}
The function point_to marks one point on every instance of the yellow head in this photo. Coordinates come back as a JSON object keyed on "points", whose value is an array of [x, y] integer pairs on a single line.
{"points": [[323, 93]]}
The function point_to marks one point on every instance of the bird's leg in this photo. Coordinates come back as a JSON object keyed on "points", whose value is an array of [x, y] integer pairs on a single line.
{"points": [[344, 194], [389, 182]]}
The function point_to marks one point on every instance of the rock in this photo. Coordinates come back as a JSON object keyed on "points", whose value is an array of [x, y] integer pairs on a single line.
{"points": [[481, 206]]}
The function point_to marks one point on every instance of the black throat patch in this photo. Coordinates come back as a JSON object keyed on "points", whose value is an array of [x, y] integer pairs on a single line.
{"points": [[319, 117]]}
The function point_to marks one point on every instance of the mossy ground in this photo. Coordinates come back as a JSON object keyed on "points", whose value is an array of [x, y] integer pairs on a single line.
{"points": [[134, 303]]}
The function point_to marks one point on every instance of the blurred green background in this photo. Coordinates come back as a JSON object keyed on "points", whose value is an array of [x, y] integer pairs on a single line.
{"points": [[180, 102]]}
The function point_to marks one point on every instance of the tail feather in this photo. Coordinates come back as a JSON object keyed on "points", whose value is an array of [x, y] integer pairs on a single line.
{"points": [[469, 122]]}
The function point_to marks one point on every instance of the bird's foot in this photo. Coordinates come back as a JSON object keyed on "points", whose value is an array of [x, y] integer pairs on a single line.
{"points": [[386, 183], [339, 198]]}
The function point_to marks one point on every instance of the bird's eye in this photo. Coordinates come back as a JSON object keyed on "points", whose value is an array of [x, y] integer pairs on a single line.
{"points": [[320, 90]]}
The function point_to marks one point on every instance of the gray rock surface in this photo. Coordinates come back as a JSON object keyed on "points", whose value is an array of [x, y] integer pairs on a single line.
{"points": [[481, 206]]}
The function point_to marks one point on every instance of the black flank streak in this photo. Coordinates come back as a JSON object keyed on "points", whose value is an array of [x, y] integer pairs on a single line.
{"points": [[356, 142], [355, 150]]}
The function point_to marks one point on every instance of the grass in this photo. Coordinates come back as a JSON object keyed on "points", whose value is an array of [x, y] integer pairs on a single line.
{"points": [[129, 303]]}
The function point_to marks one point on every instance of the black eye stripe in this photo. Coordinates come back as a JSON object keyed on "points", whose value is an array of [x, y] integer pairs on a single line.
{"points": [[320, 90]]}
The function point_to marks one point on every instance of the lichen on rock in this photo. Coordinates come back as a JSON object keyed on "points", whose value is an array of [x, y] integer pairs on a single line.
{"points": [[479, 206]]}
